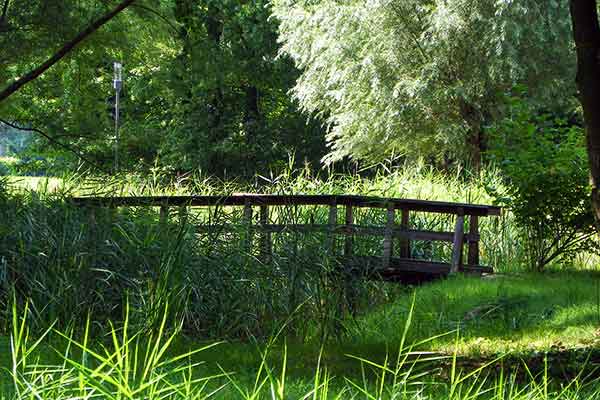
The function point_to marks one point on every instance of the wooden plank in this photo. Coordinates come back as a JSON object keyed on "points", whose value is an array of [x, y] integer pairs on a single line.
{"points": [[266, 199], [457, 246], [352, 230], [388, 244], [473, 255], [265, 237], [405, 242], [398, 265], [349, 240]]}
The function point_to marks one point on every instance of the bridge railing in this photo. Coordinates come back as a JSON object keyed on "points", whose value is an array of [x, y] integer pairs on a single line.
{"points": [[391, 230]]}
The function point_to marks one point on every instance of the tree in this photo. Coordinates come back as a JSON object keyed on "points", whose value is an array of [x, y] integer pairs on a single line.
{"points": [[203, 87], [586, 33], [60, 53], [230, 109], [418, 76]]}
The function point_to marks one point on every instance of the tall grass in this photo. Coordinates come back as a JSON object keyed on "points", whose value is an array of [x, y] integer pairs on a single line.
{"points": [[68, 263], [132, 364]]}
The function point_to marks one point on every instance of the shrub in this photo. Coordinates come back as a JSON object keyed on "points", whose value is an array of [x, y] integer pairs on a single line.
{"points": [[544, 164]]}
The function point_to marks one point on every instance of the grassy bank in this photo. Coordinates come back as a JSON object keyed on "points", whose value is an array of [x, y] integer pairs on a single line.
{"points": [[125, 363]]}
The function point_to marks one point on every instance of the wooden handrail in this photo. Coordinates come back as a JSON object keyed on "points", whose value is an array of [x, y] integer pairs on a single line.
{"points": [[348, 228], [275, 200]]}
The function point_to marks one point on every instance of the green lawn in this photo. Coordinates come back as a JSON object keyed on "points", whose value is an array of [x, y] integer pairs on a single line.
{"points": [[498, 314]]}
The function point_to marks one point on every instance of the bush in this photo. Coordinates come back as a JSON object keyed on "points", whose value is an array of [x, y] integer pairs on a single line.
{"points": [[544, 165]]}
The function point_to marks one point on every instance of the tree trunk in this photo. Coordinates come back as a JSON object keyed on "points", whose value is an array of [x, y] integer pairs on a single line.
{"points": [[586, 33], [64, 50]]}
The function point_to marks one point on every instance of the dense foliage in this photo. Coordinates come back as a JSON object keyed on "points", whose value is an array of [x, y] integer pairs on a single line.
{"points": [[422, 77], [544, 162], [203, 87]]}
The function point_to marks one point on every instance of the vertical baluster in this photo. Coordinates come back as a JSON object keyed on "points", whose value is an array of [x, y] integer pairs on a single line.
{"points": [[332, 226], [183, 214], [473, 257], [405, 242], [265, 237], [388, 244], [457, 247], [164, 215], [351, 271], [247, 242], [349, 240]]}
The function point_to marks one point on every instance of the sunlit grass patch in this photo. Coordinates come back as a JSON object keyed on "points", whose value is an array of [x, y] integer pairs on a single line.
{"points": [[524, 312]]}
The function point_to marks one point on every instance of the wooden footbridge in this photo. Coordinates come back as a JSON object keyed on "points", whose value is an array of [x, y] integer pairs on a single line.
{"points": [[392, 264]]}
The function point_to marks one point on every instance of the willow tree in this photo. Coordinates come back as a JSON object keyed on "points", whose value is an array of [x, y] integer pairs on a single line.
{"points": [[420, 76]]}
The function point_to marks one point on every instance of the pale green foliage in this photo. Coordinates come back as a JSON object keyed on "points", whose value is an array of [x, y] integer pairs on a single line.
{"points": [[402, 75]]}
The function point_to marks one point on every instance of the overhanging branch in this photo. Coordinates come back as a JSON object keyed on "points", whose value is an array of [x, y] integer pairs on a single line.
{"points": [[63, 51]]}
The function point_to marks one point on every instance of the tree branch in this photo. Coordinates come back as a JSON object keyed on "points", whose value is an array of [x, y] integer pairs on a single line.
{"points": [[59, 144], [63, 51]]}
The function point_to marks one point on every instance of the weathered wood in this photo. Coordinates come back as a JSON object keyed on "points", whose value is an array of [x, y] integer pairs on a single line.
{"points": [[247, 217], [388, 244], [457, 246], [349, 241], [164, 215], [405, 242], [274, 200], [372, 265], [183, 214], [265, 236], [473, 255], [352, 230], [332, 229], [332, 224]]}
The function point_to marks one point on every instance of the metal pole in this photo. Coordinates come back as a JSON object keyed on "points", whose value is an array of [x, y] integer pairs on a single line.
{"points": [[116, 131], [117, 84]]}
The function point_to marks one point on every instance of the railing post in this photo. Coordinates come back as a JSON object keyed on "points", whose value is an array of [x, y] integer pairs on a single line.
{"points": [[473, 257], [405, 242], [183, 214], [265, 237], [247, 242], [457, 246], [388, 244], [349, 240], [332, 225], [164, 215]]}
